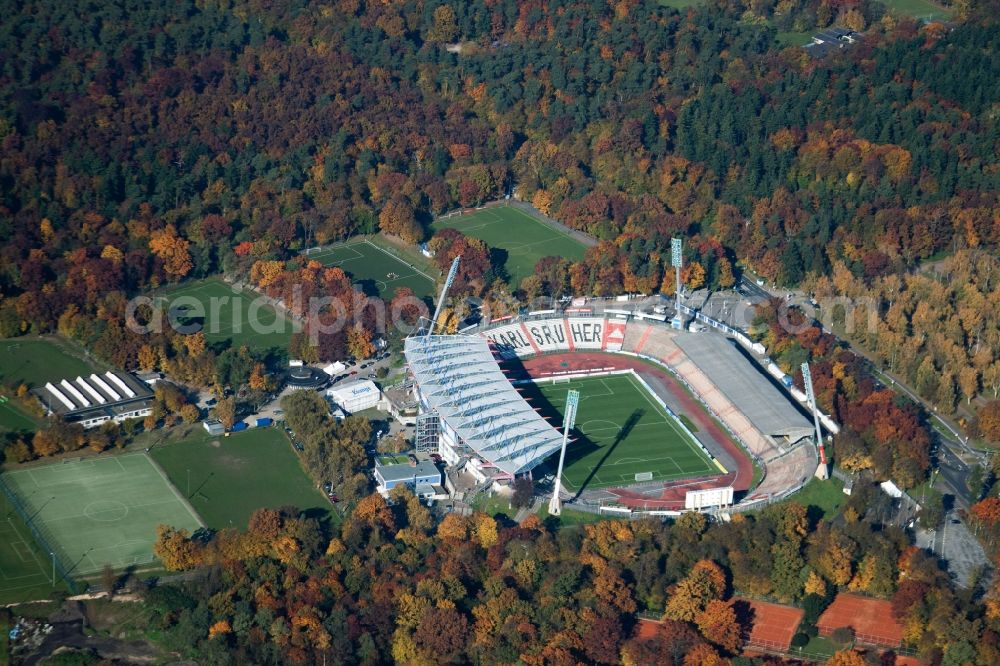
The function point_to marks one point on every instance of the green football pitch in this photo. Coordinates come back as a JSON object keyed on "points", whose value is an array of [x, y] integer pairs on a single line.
{"points": [[621, 431], [25, 570], [227, 478], [34, 362], [244, 318], [100, 511], [524, 238], [13, 419], [377, 272]]}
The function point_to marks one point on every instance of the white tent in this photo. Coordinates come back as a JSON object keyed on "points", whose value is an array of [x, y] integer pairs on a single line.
{"points": [[334, 368]]}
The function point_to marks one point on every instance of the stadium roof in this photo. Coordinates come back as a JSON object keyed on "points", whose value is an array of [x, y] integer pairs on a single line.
{"points": [[459, 379], [768, 409]]}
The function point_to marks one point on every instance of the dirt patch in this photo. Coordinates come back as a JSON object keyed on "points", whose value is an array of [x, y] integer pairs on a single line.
{"points": [[233, 461], [67, 632], [216, 443]]}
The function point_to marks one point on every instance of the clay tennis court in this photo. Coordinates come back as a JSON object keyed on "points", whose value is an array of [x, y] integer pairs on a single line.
{"points": [[871, 620], [773, 625]]}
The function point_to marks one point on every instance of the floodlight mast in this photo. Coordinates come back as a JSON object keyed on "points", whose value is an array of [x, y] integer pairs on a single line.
{"points": [[677, 260], [569, 420], [822, 471], [444, 293]]}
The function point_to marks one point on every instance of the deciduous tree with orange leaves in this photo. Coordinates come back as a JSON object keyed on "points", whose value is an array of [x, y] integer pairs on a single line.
{"points": [[718, 624], [172, 250], [846, 658], [706, 582]]}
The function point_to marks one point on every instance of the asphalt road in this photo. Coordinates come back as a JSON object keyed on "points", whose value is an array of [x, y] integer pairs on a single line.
{"points": [[955, 474]]}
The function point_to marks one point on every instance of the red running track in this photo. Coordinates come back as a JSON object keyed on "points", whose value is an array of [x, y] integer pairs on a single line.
{"points": [[673, 492]]}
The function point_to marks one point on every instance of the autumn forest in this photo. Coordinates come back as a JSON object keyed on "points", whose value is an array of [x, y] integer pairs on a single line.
{"points": [[145, 145]]}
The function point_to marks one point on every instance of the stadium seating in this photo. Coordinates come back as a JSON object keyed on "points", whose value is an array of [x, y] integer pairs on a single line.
{"points": [[784, 469]]}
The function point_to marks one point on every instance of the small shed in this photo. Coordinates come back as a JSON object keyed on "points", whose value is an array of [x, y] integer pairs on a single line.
{"points": [[214, 427]]}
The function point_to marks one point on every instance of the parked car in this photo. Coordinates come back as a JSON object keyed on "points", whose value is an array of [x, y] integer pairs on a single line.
{"points": [[353, 372], [327, 487], [333, 499], [298, 447]]}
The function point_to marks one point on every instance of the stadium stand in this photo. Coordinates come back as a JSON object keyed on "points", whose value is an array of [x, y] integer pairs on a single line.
{"points": [[459, 380], [748, 389], [762, 419], [481, 413]]}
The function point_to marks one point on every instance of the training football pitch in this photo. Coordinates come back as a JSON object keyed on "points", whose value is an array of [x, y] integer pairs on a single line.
{"points": [[34, 362], [100, 511], [242, 317], [227, 478], [377, 272], [524, 238], [25, 571], [621, 431], [13, 419]]}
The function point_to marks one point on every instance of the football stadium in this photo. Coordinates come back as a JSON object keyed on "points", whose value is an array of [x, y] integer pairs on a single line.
{"points": [[667, 419]]}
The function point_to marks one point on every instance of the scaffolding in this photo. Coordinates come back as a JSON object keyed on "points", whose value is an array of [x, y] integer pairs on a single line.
{"points": [[428, 432]]}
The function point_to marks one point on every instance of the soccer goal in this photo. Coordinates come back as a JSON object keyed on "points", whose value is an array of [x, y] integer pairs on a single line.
{"points": [[643, 476], [561, 380]]}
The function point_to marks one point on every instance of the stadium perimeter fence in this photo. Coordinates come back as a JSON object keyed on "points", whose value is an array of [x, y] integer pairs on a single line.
{"points": [[43, 537]]}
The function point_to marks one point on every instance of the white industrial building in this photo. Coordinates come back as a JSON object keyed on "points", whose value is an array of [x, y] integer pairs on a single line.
{"points": [[355, 396]]}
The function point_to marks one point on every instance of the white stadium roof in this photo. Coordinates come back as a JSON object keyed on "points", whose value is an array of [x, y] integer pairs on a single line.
{"points": [[459, 379]]}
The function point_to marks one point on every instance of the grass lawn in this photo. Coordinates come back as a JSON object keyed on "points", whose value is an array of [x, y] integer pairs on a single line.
{"points": [[493, 505], [919, 9], [620, 431], [36, 361], [99, 511], [25, 569], [374, 269], [827, 495], [393, 460], [231, 477], [14, 420], [681, 4], [570, 517], [818, 646], [795, 38], [522, 237], [242, 318]]}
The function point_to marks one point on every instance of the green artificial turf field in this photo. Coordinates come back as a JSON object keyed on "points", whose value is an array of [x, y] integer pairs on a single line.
{"points": [[524, 238], [621, 431], [244, 318], [25, 569], [100, 511], [377, 272], [231, 477], [35, 362]]}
